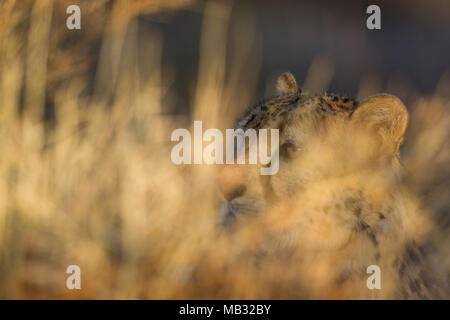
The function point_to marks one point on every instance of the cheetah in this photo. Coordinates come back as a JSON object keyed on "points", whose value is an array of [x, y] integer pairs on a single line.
{"points": [[337, 204]]}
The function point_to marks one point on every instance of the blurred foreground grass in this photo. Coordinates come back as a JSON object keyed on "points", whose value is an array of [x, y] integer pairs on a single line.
{"points": [[90, 182]]}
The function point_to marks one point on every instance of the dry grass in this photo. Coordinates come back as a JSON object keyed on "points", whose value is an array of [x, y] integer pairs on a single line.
{"points": [[95, 186]]}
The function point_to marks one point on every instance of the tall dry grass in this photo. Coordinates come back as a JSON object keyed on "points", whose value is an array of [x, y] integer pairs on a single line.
{"points": [[93, 185]]}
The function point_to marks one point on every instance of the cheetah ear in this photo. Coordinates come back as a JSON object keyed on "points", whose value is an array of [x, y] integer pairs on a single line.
{"points": [[386, 114], [286, 84]]}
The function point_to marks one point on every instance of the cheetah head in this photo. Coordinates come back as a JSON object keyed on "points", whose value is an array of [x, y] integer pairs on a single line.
{"points": [[320, 138]]}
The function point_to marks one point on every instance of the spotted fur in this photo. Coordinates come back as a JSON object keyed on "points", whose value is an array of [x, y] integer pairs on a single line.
{"points": [[336, 196]]}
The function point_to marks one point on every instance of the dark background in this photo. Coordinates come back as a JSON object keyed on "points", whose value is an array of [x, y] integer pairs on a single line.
{"points": [[413, 44]]}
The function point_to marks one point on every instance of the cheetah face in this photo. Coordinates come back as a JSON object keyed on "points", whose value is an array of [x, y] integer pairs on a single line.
{"points": [[321, 137]]}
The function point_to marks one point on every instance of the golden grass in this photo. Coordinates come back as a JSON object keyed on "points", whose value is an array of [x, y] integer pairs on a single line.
{"points": [[98, 189]]}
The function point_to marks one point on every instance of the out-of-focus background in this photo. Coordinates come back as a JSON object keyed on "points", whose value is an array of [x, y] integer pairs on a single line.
{"points": [[86, 117]]}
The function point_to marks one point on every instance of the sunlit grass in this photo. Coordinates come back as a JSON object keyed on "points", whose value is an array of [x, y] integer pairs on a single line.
{"points": [[95, 187]]}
